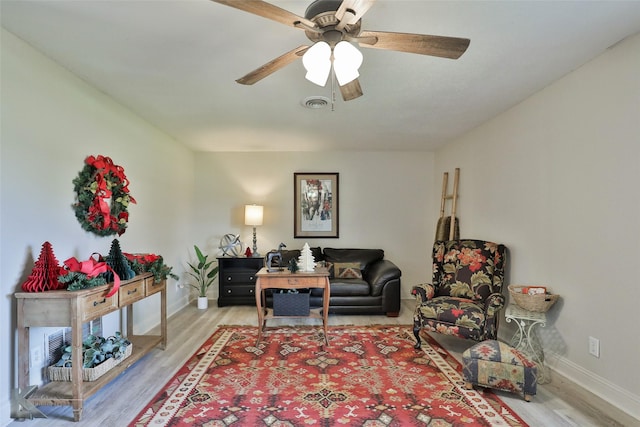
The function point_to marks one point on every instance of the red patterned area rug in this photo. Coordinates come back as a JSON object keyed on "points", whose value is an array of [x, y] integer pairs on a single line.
{"points": [[368, 375]]}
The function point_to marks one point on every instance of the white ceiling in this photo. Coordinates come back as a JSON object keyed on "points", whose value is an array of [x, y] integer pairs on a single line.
{"points": [[174, 63]]}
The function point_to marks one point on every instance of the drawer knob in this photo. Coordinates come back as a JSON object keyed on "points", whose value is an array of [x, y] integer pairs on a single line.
{"points": [[229, 279], [132, 292], [97, 303]]}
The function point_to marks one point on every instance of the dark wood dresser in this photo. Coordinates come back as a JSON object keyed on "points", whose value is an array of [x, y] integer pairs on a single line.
{"points": [[237, 280]]}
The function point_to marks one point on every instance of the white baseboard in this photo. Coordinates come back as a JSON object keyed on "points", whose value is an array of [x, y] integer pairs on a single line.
{"points": [[173, 307], [604, 389], [5, 412], [177, 305]]}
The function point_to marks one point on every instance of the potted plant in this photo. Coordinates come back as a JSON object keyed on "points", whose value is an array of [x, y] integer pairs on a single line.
{"points": [[204, 274]]}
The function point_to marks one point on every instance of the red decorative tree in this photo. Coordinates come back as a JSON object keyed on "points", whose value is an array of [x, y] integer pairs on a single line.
{"points": [[44, 276]]}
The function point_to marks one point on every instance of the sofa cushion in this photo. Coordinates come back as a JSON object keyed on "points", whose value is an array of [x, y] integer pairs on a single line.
{"points": [[347, 270], [460, 312], [464, 269], [346, 287], [362, 256]]}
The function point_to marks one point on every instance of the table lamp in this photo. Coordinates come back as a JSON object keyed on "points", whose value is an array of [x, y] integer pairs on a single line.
{"points": [[253, 216]]}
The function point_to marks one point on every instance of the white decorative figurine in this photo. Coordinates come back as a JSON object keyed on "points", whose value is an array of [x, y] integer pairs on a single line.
{"points": [[306, 261]]}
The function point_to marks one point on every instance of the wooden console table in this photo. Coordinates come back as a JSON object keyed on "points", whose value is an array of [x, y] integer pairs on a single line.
{"points": [[287, 280], [73, 308]]}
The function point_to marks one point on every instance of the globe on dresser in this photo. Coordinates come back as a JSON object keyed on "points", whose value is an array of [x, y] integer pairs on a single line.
{"points": [[230, 245]]}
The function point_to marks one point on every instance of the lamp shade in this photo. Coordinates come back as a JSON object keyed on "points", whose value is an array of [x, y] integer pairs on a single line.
{"points": [[346, 61], [253, 215], [317, 62]]}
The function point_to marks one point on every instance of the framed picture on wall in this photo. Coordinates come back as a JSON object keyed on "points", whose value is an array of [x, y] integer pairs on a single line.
{"points": [[315, 205]]}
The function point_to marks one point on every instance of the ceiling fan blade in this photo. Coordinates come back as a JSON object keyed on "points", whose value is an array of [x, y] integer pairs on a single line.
{"points": [[444, 47], [350, 12], [267, 10], [351, 90], [273, 66]]}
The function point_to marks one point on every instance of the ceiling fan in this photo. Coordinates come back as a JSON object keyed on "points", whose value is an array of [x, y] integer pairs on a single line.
{"points": [[332, 25]]}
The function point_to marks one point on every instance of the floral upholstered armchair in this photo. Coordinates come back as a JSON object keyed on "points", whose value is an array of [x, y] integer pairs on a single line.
{"points": [[466, 294]]}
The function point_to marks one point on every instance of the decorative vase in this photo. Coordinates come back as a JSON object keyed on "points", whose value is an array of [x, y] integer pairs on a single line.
{"points": [[203, 303]]}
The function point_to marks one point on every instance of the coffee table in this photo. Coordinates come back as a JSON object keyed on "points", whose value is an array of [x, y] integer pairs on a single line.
{"points": [[319, 278]]}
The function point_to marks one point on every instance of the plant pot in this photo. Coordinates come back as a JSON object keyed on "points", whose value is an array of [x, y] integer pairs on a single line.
{"points": [[203, 303]]}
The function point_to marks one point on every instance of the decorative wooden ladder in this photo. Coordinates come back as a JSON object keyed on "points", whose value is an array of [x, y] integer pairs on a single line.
{"points": [[448, 227]]}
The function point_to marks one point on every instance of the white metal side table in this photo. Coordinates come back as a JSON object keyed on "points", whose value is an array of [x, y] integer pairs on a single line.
{"points": [[525, 339]]}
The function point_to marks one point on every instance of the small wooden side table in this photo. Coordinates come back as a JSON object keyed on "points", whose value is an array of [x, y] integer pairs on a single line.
{"points": [[318, 278], [526, 339]]}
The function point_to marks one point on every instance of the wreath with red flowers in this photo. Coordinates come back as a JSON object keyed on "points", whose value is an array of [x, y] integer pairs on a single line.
{"points": [[102, 197]]}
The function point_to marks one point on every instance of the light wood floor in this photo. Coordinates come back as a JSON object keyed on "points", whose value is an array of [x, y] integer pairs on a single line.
{"points": [[557, 404]]}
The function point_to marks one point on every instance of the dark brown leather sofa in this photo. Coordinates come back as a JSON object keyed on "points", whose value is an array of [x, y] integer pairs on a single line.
{"points": [[375, 290]]}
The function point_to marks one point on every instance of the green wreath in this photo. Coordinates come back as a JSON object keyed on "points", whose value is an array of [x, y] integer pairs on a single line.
{"points": [[102, 197]]}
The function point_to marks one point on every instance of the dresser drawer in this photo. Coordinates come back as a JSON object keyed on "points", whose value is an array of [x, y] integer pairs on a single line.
{"points": [[238, 291], [97, 304], [131, 292], [292, 282], [151, 286], [239, 276]]}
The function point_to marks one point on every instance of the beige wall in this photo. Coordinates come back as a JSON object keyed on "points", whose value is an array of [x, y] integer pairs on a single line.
{"points": [[384, 202], [556, 179], [51, 121]]}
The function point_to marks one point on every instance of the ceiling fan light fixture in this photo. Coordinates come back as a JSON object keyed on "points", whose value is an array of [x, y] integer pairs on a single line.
{"points": [[317, 62], [346, 62], [329, 24]]}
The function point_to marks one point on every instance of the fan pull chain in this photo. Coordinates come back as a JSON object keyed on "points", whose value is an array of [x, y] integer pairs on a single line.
{"points": [[333, 89]]}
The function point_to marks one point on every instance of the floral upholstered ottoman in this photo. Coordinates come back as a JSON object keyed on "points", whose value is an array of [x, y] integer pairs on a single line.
{"points": [[497, 365]]}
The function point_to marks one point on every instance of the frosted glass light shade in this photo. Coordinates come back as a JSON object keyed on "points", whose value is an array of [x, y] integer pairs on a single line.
{"points": [[317, 62], [253, 215], [346, 61]]}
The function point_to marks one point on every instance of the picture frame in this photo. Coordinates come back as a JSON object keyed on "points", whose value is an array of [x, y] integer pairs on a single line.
{"points": [[315, 204]]}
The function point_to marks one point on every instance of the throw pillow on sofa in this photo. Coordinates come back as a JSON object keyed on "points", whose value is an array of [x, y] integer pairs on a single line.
{"points": [[363, 257], [347, 270]]}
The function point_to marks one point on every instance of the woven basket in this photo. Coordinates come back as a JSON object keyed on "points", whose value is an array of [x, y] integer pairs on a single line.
{"points": [[540, 303], [291, 304], [56, 373]]}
